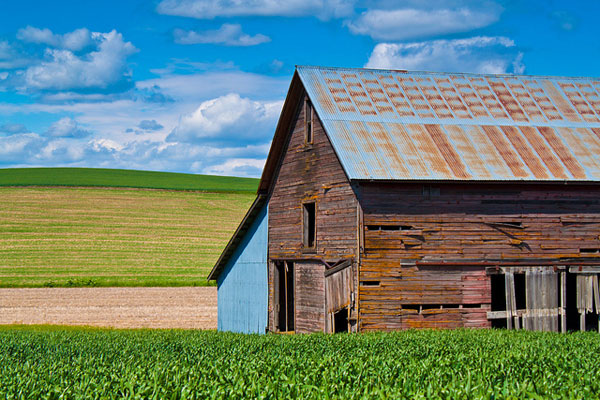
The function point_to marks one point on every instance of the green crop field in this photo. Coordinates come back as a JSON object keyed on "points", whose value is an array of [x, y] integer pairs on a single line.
{"points": [[55, 363], [124, 178], [99, 236]]}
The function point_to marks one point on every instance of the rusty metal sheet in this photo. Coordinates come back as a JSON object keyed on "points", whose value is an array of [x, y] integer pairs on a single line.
{"points": [[387, 124], [505, 98], [452, 97], [525, 100], [525, 152], [578, 101]]}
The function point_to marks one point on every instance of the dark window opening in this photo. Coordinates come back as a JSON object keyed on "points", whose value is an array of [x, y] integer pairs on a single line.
{"points": [[285, 297], [370, 283], [431, 191], [309, 224], [589, 251], [498, 299], [308, 117], [340, 321]]}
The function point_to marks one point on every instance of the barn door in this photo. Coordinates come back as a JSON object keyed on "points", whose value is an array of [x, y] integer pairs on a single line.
{"points": [[338, 297], [542, 298]]}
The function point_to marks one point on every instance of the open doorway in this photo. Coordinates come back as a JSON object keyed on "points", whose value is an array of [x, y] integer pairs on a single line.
{"points": [[284, 296], [340, 320]]}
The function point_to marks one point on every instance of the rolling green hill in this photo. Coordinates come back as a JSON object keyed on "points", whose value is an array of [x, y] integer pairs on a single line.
{"points": [[124, 178], [55, 235]]}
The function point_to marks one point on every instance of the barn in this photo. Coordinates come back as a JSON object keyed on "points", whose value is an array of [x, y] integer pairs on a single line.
{"points": [[395, 200]]}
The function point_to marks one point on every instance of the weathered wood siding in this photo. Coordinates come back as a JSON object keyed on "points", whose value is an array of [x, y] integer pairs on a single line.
{"points": [[471, 222], [311, 172], [310, 297]]}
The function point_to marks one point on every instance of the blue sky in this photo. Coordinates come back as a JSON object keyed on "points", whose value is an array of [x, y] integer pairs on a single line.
{"points": [[197, 85]]}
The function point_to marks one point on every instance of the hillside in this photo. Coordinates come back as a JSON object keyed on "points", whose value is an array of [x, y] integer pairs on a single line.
{"points": [[55, 235], [124, 178]]}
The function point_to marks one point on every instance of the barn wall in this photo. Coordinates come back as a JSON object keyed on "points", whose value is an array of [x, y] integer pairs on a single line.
{"points": [[242, 286], [472, 222], [311, 173]]}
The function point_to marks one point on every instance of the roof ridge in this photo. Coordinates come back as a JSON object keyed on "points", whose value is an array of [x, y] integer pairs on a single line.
{"points": [[383, 70]]}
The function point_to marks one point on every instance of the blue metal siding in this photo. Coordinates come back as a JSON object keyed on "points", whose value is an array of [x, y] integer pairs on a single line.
{"points": [[242, 286]]}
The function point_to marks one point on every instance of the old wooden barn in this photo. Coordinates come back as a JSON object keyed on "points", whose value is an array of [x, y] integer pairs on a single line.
{"points": [[395, 200]]}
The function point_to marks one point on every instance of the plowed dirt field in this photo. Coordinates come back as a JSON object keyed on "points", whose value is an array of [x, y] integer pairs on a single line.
{"points": [[126, 307]]}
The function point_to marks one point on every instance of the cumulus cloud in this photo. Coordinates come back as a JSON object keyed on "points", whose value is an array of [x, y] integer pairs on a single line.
{"points": [[75, 41], [150, 125], [20, 148], [102, 69], [208, 9], [67, 128], [480, 54], [226, 119], [411, 23], [227, 34]]}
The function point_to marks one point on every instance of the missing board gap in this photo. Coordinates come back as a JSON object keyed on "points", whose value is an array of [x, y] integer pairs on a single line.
{"points": [[389, 227], [422, 307], [370, 283], [589, 251]]}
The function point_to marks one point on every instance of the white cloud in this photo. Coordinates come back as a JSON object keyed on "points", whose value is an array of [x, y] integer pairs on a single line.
{"points": [[67, 127], [236, 167], [410, 23], [101, 69], [479, 54], [228, 118], [227, 34], [19, 148], [208, 9], [184, 87], [76, 40]]}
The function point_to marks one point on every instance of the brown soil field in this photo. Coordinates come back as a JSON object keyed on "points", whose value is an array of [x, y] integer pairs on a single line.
{"points": [[124, 307]]}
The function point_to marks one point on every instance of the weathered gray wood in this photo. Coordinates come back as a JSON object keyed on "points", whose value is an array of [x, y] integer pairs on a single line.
{"points": [[585, 269], [509, 285], [563, 302]]}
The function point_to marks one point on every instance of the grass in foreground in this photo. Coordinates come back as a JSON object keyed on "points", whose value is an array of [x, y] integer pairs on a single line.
{"points": [[113, 237], [124, 178], [91, 363]]}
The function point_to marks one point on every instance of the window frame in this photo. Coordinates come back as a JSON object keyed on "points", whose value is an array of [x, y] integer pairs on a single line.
{"points": [[309, 125], [306, 245]]}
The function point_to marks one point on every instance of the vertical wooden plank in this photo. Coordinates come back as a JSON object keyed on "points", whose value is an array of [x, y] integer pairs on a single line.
{"points": [[563, 300], [509, 284]]}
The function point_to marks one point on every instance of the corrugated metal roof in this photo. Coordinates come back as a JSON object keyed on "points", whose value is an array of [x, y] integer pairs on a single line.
{"points": [[397, 125]]}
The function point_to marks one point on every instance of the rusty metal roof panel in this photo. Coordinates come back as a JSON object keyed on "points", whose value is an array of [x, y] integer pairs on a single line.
{"points": [[398, 125]]}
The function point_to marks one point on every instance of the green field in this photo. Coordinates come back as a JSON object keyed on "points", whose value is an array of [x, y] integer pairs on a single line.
{"points": [[57, 363], [99, 236], [124, 178]]}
